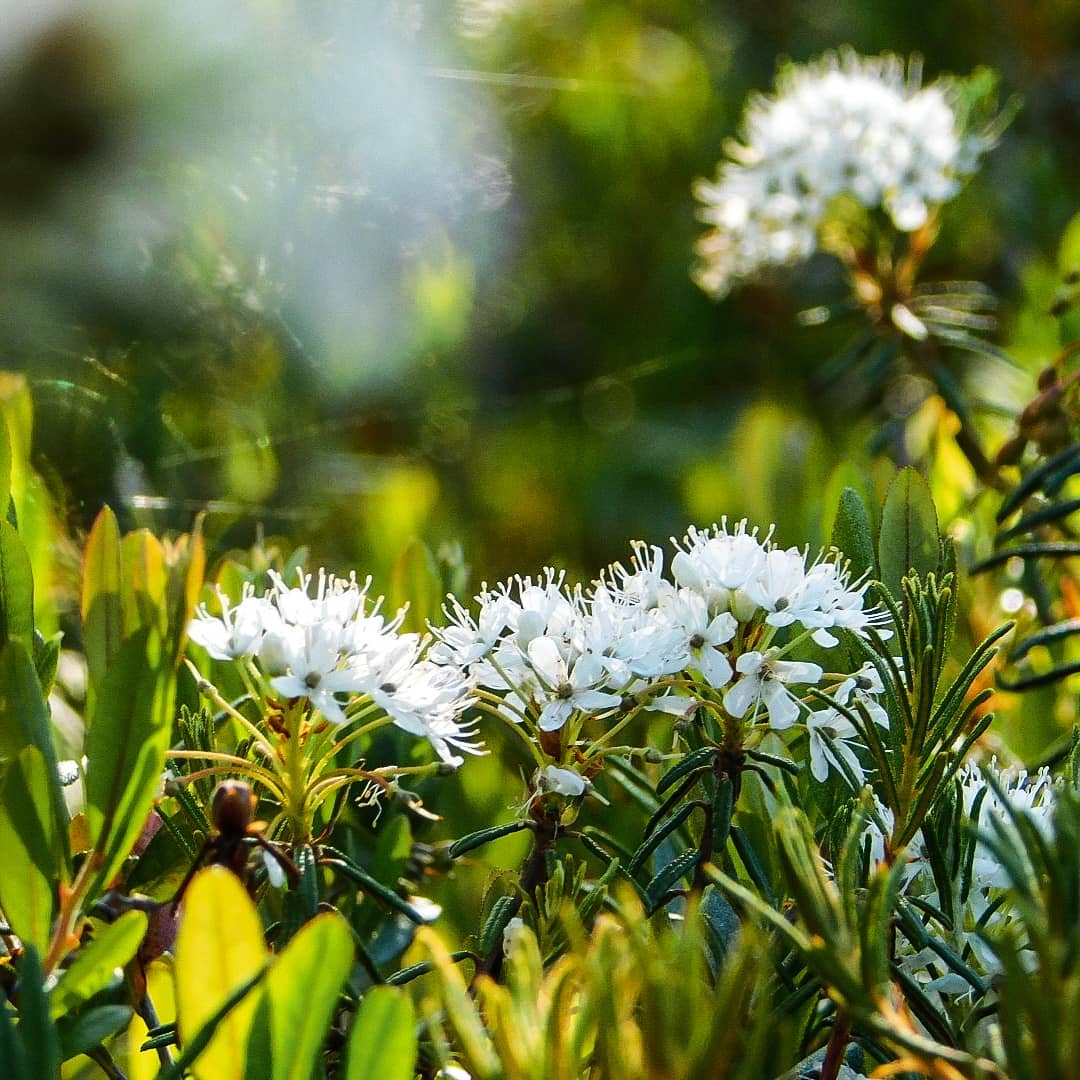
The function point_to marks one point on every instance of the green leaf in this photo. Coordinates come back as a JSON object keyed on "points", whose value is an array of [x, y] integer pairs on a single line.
{"points": [[375, 888], [219, 949], [658, 835], [11, 1050], [657, 889], [301, 994], [909, 531], [16, 589], [853, 534], [696, 760], [382, 1042], [30, 849], [485, 836], [101, 606], [5, 467], [415, 581], [88, 1030], [96, 964], [143, 582], [47, 659], [126, 742], [38, 1033]]}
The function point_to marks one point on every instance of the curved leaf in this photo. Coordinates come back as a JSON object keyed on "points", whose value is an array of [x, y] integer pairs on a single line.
{"points": [[382, 1042], [909, 531], [126, 742], [300, 996], [95, 966], [101, 606], [219, 947]]}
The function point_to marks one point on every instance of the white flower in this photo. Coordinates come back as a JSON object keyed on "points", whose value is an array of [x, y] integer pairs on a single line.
{"points": [[831, 736], [764, 681], [701, 637], [561, 781], [843, 125], [236, 632], [312, 660], [570, 687]]}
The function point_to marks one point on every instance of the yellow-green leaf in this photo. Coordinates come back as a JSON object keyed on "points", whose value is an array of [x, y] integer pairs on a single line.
{"points": [[219, 946], [300, 996], [382, 1043], [909, 530], [102, 609], [125, 747], [28, 849], [415, 581], [143, 583], [97, 962]]}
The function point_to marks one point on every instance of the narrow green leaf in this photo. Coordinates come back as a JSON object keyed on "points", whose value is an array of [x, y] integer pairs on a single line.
{"points": [[16, 589], [853, 534], [46, 659], [415, 581], [101, 604], [125, 746], [39, 1038], [375, 888], [5, 467], [30, 849], [301, 996], [382, 1042], [11, 1051], [660, 834], [87, 1030], [485, 836], [909, 531], [96, 965], [414, 971], [657, 889], [502, 911], [143, 600], [698, 759], [723, 807]]}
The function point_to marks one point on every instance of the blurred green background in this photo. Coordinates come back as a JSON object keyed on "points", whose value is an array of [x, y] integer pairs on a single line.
{"points": [[354, 273]]}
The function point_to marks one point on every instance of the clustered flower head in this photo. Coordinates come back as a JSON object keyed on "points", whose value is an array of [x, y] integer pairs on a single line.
{"points": [[842, 125], [334, 647], [717, 632]]}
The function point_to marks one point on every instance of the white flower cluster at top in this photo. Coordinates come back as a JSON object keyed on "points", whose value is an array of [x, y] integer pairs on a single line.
{"points": [[721, 628], [336, 642], [841, 125]]}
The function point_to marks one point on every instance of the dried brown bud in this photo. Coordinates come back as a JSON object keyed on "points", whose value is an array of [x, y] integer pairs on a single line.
{"points": [[233, 806]]}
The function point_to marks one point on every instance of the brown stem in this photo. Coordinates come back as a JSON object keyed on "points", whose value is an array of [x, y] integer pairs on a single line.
{"points": [[834, 1052], [534, 875]]}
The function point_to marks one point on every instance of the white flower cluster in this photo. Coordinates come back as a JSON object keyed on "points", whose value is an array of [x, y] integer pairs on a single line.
{"points": [[335, 644], [842, 125], [721, 626]]}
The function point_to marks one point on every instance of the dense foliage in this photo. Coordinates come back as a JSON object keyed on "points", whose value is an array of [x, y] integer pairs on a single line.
{"points": [[318, 320]]}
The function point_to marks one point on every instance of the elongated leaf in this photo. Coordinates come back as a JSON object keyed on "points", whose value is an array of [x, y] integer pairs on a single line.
{"points": [[660, 834], [5, 467], [143, 583], [125, 747], [219, 947], [382, 1042], [187, 569], [375, 888], [11, 1050], [693, 761], [909, 531], [102, 606], [87, 1030], [96, 965], [854, 535], [40, 1042], [300, 996], [415, 580], [1064, 460], [29, 849], [485, 836], [657, 889], [16, 589]]}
